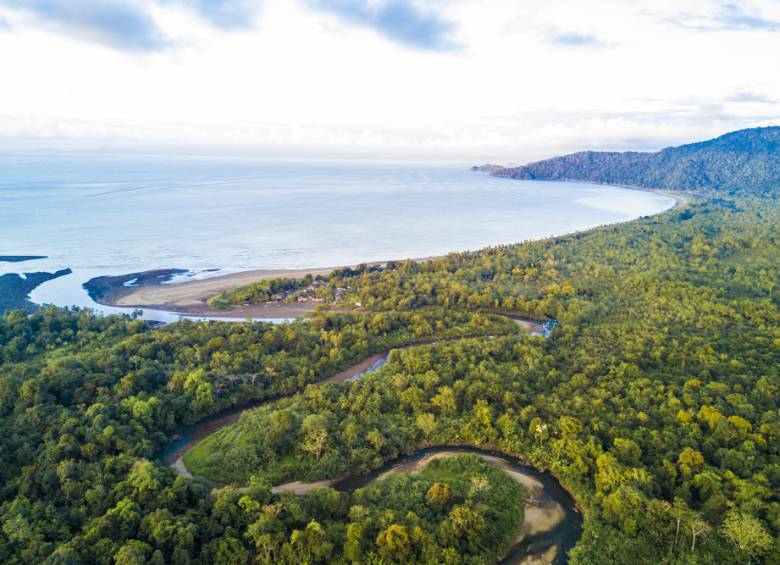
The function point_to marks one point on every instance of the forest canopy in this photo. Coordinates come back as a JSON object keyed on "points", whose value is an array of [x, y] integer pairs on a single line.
{"points": [[655, 402]]}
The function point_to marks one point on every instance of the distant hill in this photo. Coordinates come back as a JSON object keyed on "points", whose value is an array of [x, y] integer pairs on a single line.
{"points": [[742, 161]]}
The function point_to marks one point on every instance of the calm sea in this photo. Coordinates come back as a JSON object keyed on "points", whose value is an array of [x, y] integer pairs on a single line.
{"points": [[114, 215]]}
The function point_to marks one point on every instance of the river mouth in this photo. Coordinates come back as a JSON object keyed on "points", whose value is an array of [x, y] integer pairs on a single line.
{"points": [[248, 214], [553, 524]]}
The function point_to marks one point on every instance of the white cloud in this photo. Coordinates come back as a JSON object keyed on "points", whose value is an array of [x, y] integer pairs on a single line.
{"points": [[303, 82]]}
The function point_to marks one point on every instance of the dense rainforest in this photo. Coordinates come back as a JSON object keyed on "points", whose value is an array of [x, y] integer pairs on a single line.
{"points": [[655, 402]]}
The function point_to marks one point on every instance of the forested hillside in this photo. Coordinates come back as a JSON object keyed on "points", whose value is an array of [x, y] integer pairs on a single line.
{"points": [[655, 402], [746, 161]]}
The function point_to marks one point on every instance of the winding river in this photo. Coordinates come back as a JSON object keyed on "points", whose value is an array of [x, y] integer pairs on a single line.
{"points": [[552, 523], [187, 436]]}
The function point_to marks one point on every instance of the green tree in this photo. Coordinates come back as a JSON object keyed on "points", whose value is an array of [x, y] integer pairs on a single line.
{"points": [[427, 424], [133, 552], [747, 533], [353, 546], [394, 543], [438, 496], [315, 435]]}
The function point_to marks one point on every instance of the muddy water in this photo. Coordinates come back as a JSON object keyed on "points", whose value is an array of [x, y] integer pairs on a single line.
{"points": [[552, 523]]}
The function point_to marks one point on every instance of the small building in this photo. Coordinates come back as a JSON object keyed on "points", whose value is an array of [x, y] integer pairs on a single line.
{"points": [[549, 326]]}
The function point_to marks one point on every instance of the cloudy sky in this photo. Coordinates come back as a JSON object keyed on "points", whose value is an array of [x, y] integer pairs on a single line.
{"points": [[459, 80]]}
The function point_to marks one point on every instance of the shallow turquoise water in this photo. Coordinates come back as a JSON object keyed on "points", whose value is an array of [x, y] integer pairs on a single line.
{"points": [[114, 215]]}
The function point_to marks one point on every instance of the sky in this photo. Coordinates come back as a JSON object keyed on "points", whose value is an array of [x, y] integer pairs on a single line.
{"points": [[503, 81]]}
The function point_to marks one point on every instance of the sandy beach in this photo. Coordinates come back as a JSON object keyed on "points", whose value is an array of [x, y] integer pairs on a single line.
{"points": [[191, 297]]}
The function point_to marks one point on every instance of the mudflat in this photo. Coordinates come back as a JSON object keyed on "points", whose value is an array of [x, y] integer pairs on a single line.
{"points": [[20, 258], [15, 289]]}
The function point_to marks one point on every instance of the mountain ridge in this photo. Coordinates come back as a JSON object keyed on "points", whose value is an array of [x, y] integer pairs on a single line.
{"points": [[743, 161]]}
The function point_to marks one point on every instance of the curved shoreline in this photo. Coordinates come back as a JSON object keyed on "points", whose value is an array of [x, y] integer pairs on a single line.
{"points": [[190, 298]]}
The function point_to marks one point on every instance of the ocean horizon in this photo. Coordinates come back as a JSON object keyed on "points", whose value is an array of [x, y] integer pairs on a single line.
{"points": [[101, 215]]}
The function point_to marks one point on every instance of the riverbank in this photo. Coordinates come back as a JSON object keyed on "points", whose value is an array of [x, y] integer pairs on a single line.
{"points": [[551, 525], [542, 512], [190, 436]]}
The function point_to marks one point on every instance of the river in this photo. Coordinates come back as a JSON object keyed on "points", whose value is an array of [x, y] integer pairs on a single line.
{"points": [[552, 523]]}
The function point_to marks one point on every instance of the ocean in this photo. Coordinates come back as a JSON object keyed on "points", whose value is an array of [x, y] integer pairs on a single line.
{"points": [[110, 215]]}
